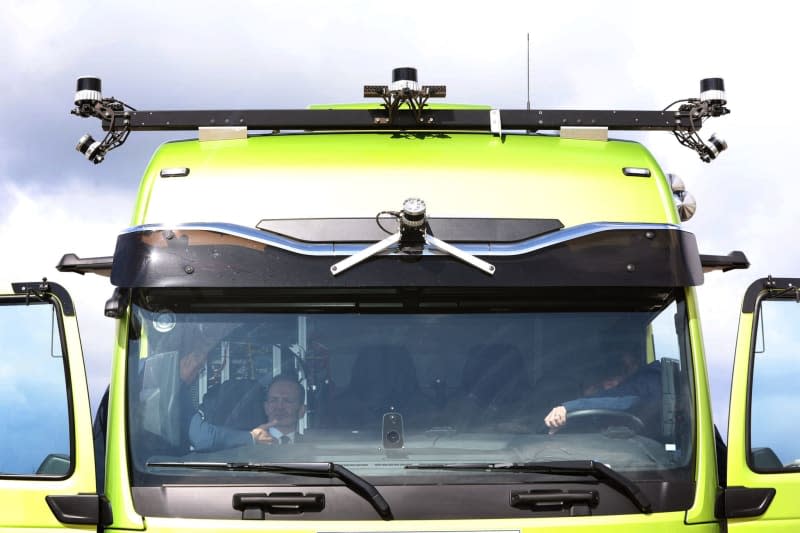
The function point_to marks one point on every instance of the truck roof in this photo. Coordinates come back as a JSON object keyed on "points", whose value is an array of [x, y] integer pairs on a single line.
{"points": [[358, 174]]}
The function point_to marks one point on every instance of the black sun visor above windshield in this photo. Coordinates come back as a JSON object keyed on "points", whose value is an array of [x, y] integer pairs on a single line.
{"points": [[206, 255]]}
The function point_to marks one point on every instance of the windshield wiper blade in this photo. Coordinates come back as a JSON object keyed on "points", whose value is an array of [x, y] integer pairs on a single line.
{"points": [[596, 469], [356, 483]]}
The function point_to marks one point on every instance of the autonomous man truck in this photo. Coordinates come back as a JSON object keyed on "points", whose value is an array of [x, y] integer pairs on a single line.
{"points": [[489, 318]]}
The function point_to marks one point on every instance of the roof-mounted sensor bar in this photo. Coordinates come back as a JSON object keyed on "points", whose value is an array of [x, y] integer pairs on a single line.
{"points": [[404, 107]]}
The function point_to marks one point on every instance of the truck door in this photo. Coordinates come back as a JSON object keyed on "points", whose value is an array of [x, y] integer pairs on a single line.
{"points": [[763, 465], [47, 479]]}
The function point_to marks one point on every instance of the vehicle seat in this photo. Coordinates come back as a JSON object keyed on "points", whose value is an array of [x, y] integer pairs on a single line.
{"points": [[383, 379], [235, 404], [494, 384]]}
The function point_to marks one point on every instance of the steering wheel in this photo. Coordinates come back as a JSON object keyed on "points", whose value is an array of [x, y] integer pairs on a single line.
{"points": [[588, 416]]}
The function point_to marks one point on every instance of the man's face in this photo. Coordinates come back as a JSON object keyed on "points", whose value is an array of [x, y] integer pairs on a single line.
{"points": [[284, 406]]}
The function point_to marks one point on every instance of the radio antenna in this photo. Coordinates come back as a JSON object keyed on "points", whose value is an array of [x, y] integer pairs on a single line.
{"points": [[529, 71]]}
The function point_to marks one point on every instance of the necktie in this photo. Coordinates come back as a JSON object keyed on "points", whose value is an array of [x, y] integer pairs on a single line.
{"points": [[285, 440]]}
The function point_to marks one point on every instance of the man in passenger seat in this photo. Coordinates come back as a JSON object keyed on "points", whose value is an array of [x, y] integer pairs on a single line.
{"points": [[283, 405]]}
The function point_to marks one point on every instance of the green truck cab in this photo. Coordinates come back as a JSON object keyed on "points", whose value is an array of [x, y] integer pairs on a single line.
{"points": [[479, 330]]}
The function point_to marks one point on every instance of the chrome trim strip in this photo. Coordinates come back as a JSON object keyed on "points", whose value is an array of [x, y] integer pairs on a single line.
{"points": [[332, 249]]}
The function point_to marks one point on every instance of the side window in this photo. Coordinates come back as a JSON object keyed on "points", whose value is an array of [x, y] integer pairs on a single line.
{"points": [[665, 336], [775, 394], [34, 415]]}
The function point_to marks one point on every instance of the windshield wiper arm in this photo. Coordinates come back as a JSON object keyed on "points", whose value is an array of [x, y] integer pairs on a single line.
{"points": [[600, 472], [356, 483]]}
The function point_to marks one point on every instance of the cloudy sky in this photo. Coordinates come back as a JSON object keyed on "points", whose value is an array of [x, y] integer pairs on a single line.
{"points": [[262, 54]]}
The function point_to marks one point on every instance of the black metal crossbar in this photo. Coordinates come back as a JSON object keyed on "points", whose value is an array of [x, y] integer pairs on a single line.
{"points": [[431, 119]]}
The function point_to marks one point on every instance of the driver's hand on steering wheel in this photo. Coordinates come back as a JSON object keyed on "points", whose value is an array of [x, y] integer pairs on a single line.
{"points": [[556, 418]]}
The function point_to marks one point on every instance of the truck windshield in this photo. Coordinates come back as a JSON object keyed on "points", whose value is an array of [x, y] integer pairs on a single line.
{"points": [[380, 380]]}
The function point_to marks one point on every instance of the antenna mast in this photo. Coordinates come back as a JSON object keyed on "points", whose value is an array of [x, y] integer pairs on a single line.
{"points": [[529, 71]]}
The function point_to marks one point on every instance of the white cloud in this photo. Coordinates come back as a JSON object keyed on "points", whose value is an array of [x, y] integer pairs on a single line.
{"points": [[39, 225]]}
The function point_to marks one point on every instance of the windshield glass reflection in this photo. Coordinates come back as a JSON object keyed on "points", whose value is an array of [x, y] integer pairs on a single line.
{"points": [[381, 380]]}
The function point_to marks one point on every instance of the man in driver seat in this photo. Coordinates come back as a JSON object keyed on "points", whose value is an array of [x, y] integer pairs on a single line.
{"points": [[629, 388]]}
